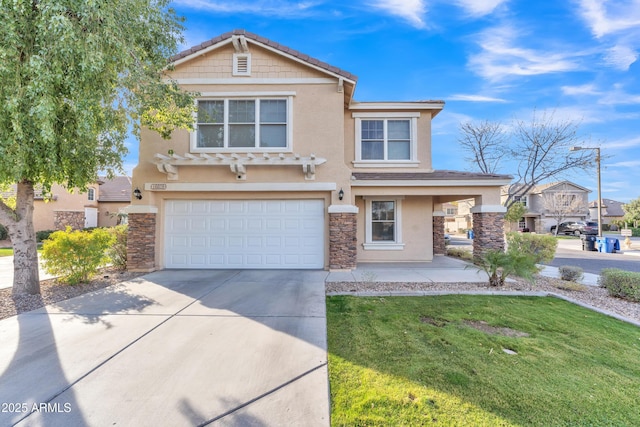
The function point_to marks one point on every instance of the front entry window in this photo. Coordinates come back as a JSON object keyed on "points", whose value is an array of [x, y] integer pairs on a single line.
{"points": [[383, 227]]}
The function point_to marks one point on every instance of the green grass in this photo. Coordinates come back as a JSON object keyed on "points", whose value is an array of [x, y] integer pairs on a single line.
{"points": [[6, 252], [411, 361]]}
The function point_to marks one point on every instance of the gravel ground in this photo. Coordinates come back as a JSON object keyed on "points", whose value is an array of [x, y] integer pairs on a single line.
{"points": [[52, 291], [589, 295]]}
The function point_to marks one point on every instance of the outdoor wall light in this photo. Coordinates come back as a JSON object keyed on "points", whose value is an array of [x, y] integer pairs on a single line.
{"points": [[340, 194], [137, 193]]}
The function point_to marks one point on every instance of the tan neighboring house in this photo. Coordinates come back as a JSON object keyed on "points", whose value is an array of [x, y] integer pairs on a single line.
{"points": [[458, 215], [611, 211], [285, 169], [64, 208], [539, 217], [96, 207]]}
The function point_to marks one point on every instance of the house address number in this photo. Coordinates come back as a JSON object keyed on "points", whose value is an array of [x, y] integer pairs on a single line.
{"points": [[158, 186]]}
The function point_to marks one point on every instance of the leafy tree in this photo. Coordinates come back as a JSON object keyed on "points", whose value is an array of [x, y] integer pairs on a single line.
{"points": [[515, 212], [74, 77], [539, 147], [632, 211]]}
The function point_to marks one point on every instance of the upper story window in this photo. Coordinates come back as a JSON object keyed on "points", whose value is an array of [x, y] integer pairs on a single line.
{"points": [[521, 199], [451, 211], [91, 194], [260, 124], [386, 139]]}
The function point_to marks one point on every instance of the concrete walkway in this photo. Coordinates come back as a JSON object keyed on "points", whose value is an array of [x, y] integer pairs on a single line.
{"points": [[173, 348], [6, 272], [441, 270]]}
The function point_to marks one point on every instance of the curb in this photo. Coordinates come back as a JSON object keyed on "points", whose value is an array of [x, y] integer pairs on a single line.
{"points": [[487, 293]]}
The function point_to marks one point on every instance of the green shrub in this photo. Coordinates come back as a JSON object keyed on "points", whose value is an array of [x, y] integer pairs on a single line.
{"points": [[499, 265], [4, 235], [75, 256], [541, 248], [117, 252], [620, 283], [571, 273], [43, 235]]}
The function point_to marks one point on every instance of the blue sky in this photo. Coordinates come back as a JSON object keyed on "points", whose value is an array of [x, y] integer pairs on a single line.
{"points": [[487, 59]]}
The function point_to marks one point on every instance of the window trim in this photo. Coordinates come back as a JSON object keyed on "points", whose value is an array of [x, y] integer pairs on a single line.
{"points": [[358, 162], [91, 194], [239, 96], [522, 199], [396, 245]]}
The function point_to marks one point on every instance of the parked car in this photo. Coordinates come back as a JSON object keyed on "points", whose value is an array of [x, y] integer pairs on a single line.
{"points": [[576, 227]]}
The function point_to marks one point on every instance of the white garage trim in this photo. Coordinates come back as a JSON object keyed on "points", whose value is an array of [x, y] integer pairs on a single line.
{"points": [[265, 234]]}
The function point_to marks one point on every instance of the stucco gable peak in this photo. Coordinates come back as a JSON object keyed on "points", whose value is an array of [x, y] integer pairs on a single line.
{"points": [[241, 40]]}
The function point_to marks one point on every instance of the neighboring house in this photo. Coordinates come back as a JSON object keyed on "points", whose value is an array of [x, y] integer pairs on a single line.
{"points": [[64, 208], [96, 207], [458, 215], [611, 211], [115, 195], [286, 170], [540, 216]]}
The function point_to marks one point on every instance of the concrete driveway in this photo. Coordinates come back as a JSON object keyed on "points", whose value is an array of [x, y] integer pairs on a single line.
{"points": [[173, 348]]}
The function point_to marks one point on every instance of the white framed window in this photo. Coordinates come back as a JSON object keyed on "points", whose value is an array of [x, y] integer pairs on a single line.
{"points": [[451, 211], [383, 229], [521, 199], [242, 125], [386, 139], [91, 194]]}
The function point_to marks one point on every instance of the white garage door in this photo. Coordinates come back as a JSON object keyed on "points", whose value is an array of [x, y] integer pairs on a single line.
{"points": [[244, 234]]}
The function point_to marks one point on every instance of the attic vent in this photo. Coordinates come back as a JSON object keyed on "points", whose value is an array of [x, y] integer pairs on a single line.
{"points": [[241, 64]]}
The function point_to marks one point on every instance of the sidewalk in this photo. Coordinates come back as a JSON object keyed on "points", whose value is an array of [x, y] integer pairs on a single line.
{"points": [[6, 272]]}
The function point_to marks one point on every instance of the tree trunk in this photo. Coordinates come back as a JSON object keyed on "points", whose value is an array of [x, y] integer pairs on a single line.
{"points": [[26, 278]]}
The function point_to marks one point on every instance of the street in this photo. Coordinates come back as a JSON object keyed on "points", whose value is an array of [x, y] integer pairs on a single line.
{"points": [[570, 252]]}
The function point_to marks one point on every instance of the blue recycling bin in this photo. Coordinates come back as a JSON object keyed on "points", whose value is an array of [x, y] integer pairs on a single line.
{"points": [[469, 234], [601, 244], [613, 245]]}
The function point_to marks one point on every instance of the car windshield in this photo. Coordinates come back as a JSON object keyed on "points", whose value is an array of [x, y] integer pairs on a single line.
{"points": [[592, 224]]}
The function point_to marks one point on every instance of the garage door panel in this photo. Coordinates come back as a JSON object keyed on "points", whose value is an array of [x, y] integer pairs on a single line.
{"points": [[244, 234]]}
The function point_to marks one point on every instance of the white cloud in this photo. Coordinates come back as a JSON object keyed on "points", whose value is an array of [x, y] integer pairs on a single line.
{"points": [[617, 96], [627, 164], [607, 17], [410, 10], [623, 143], [474, 98], [479, 8], [279, 8], [621, 57], [587, 89], [501, 57]]}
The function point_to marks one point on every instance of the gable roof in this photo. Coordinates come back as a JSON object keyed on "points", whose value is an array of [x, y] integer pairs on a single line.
{"points": [[298, 56], [614, 208], [541, 188], [117, 189]]}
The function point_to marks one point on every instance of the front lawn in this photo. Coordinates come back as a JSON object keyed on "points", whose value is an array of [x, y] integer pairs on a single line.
{"points": [[439, 360], [6, 251]]}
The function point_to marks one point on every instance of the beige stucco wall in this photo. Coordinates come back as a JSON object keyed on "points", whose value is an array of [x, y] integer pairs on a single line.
{"points": [[62, 200], [108, 213], [417, 232]]}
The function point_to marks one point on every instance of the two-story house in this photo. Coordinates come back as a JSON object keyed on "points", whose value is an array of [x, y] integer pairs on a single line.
{"points": [[549, 203], [285, 169]]}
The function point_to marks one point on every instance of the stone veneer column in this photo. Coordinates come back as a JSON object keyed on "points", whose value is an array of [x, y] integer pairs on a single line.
{"points": [[73, 219], [488, 229], [342, 237], [141, 241], [439, 247]]}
